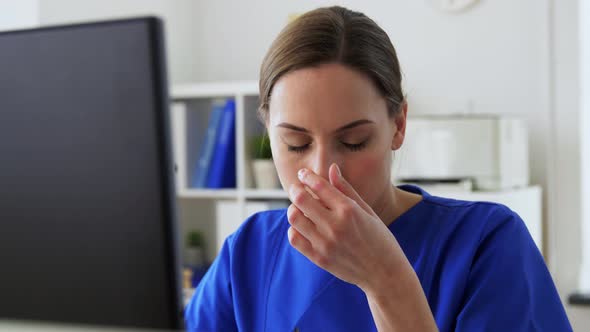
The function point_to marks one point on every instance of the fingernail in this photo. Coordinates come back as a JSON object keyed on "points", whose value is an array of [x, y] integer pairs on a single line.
{"points": [[301, 174]]}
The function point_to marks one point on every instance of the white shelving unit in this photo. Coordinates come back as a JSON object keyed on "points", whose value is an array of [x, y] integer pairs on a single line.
{"points": [[200, 208], [217, 212]]}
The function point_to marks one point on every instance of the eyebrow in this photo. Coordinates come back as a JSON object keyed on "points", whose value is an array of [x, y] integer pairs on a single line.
{"points": [[348, 126]]}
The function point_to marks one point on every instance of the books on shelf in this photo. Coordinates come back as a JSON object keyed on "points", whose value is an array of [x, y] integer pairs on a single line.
{"points": [[206, 149], [216, 164], [222, 171]]}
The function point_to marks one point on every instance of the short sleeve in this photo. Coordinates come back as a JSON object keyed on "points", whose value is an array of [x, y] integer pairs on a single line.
{"points": [[509, 287], [211, 307]]}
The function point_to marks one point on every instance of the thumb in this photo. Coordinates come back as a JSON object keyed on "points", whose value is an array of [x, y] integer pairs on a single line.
{"points": [[338, 181]]}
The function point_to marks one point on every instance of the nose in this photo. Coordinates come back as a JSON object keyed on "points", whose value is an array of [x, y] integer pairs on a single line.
{"points": [[322, 158]]}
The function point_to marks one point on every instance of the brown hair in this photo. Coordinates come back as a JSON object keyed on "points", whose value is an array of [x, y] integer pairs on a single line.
{"points": [[333, 35]]}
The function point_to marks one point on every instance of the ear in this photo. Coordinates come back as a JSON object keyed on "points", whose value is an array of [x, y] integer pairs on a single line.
{"points": [[399, 127]]}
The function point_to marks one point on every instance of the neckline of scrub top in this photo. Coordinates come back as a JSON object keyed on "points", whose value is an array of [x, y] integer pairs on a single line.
{"points": [[405, 217]]}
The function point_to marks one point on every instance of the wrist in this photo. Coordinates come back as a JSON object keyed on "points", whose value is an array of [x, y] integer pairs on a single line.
{"points": [[398, 303], [389, 277]]}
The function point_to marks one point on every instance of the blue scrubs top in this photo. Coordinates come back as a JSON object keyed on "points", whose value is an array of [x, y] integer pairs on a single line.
{"points": [[476, 261]]}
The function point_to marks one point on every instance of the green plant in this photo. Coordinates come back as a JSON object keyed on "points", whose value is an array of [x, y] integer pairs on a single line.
{"points": [[195, 239], [260, 147]]}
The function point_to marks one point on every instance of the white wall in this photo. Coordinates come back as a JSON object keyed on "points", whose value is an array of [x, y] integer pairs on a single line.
{"points": [[564, 159], [584, 277], [18, 14]]}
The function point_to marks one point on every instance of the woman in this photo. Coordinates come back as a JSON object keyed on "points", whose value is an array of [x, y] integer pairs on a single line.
{"points": [[354, 252]]}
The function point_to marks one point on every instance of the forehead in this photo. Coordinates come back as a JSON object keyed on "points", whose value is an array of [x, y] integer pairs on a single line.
{"points": [[325, 97]]}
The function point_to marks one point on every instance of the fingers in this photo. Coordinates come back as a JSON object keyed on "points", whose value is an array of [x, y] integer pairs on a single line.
{"points": [[303, 200], [331, 194], [338, 181], [299, 242], [326, 193], [301, 223]]}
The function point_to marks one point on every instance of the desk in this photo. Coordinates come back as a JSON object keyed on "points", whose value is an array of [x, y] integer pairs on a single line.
{"points": [[27, 326]]}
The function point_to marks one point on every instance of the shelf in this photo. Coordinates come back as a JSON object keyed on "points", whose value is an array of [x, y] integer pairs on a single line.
{"points": [[214, 89], [266, 194], [208, 193], [216, 212]]}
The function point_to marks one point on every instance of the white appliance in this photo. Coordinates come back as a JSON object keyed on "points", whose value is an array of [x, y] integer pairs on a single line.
{"points": [[489, 150]]}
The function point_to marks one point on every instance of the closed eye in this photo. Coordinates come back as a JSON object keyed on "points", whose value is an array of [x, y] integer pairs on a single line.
{"points": [[356, 147], [297, 149], [351, 147]]}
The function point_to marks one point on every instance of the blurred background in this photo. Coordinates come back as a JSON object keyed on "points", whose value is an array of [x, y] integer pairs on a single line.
{"points": [[504, 59]]}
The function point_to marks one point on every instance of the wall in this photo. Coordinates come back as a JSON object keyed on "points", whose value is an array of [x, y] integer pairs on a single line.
{"points": [[18, 14], [584, 61], [564, 159]]}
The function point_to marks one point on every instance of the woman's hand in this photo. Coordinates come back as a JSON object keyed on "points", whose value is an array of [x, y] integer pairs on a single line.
{"points": [[339, 232]]}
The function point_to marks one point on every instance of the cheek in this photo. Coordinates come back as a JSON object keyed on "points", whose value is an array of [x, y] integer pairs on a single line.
{"points": [[368, 175]]}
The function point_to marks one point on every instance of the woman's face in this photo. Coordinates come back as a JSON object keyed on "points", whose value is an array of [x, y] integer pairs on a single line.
{"points": [[333, 114]]}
